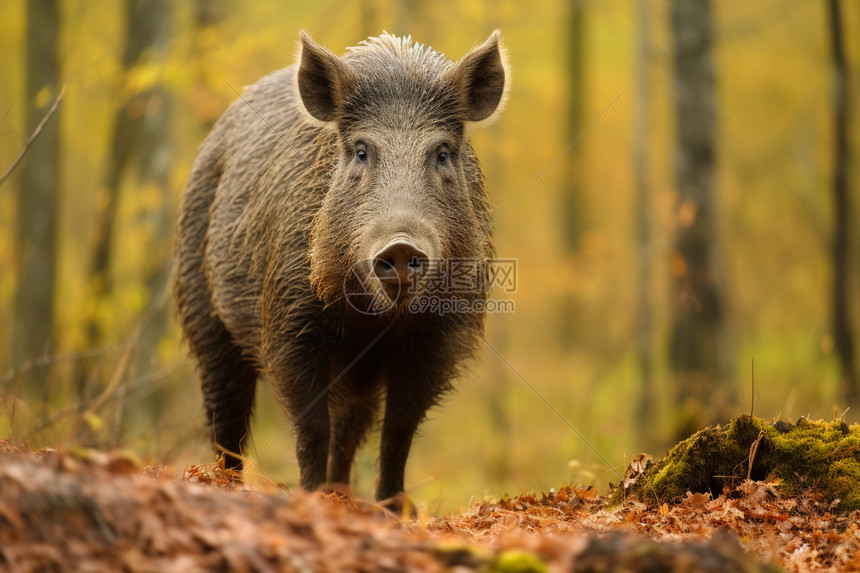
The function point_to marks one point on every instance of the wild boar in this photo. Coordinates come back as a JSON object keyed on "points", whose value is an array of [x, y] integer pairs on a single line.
{"points": [[320, 203]]}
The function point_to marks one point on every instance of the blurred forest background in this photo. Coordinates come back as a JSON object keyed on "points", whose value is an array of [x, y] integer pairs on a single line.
{"points": [[704, 220]]}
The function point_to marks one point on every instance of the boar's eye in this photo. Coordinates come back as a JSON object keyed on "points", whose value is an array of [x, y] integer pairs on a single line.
{"points": [[361, 152], [442, 155]]}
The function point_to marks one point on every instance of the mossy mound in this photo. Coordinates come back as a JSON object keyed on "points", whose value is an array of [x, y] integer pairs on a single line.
{"points": [[824, 456], [632, 554]]}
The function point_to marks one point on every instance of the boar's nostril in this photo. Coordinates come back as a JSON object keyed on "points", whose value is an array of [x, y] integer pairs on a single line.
{"points": [[385, 269], [399, 263]]}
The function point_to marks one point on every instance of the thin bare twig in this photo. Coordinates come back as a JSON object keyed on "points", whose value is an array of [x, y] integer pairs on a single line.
{"points": [[118, 374], [35, 134], [51, 359], [753, 450], [148, 382], [122, 365], [752, 399]]}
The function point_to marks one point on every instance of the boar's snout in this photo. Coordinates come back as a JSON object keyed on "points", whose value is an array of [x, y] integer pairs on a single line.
{"points": [[399, 265]]}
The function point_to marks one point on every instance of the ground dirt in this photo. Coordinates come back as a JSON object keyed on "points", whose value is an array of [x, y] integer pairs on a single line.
{"points": [[84, 510]]}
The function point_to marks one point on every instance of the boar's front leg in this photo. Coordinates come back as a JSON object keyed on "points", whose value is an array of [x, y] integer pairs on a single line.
{"points": [[352, 411], [312, 437], [406, 403], [303, 390]]}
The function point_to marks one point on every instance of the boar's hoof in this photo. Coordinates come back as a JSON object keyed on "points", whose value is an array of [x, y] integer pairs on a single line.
{"points": [[400, 505]]}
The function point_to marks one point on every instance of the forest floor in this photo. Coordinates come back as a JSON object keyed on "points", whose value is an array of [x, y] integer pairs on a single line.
{"points": [[85, 510]]}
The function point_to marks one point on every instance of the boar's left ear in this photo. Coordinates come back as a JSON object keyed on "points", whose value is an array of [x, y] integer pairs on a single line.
{"points": [[323, 79], [481, 76]]}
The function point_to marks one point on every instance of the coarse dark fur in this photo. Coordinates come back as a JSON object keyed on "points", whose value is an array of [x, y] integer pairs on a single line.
{"points": [[294, 192]]}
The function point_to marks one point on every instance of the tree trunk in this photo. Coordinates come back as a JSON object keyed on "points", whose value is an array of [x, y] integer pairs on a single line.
{"points": [[369, 17], [141, 132], [642, 174], [153, 171], [572, 209], [698, 347], [38, 195], [209, 13], [499, 388], [843, 335], [408, 15]]}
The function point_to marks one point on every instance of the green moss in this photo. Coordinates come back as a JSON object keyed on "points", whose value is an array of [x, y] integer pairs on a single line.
{"points": [[824, 455], [517, 562]]}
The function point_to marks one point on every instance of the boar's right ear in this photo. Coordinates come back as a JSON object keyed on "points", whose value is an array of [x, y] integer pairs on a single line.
{"points": [[482, 78], [323, 80]]}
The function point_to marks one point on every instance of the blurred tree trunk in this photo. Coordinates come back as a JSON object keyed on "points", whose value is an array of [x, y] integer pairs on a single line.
{"points": [[499, 387], [499, 464], [38, 195], [843, 335], [369, 16], [497, 399], [407, 17], [141, 133], [154, 153], [698, 346], [572, 208], [208, 14], [642, 175]]}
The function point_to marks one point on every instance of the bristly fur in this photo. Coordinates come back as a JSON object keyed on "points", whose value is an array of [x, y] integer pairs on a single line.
{"points": [[276, 212]]}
